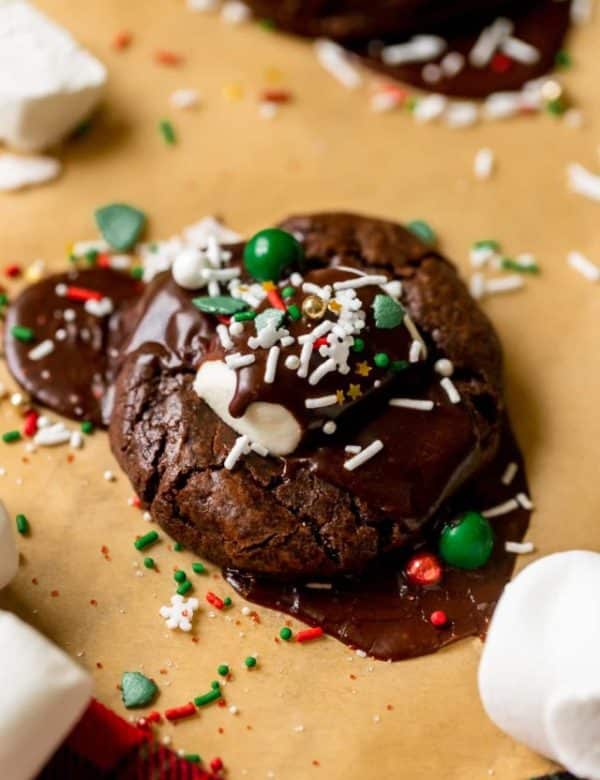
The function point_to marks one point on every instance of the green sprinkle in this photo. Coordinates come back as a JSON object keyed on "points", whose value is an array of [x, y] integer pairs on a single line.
{"points": [[180, 576], [487, 243], [244, 316], [178, 547], [215, 685], [149, 563], [267, 24], [11, 436], [91, 256], [22, 333], [22, 525], [198, 568], [411, 103], [266, 316], [388, 312], [381, 360], [223, 670], [359, 345], [137, 273], [288, 292], [73, 258], [399, 365], [423, 230], [87, 426], [219, 304], [514, 265], [285, 633], [137, 690], [185, 586], [250, 662], [146, 540], [556, 107], [563, 59], [3, 299], [193, 758], [227, 602], [82, 129], [207, 698], [167, 131], [121, 225], [294, 312]]}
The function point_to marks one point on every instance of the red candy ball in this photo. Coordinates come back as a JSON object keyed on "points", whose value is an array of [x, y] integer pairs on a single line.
{"points": [[438, 618], [424, 569]]}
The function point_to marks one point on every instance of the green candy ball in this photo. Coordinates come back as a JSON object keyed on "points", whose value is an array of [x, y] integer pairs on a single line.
{"points": [[467, 543], [271, 252]]}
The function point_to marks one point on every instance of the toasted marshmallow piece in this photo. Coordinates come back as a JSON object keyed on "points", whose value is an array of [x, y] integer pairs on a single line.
{"points": [[539, 676]]}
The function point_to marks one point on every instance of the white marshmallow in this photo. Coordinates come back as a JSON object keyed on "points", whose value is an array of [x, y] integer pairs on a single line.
{"points": [[187, 269], [539, 677], [9, 557], [42, 695], [48, 82], [266, 424]]}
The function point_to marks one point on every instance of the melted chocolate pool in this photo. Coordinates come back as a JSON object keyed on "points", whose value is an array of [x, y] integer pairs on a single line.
{"points": [[381, 613]]}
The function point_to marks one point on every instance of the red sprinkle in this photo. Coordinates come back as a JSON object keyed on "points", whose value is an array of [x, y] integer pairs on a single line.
{"points": [[500, 63], [216, 764], [276, 95], [423, 569], [308, 634], [122, 40], [165, 57], [30, 426], [103, 260], [136, 501], [13, 271], [322, 342], [177, 713], [223, 319], [275, 299], [213, 599], [438, 618], [154, 717], [83, 294]]}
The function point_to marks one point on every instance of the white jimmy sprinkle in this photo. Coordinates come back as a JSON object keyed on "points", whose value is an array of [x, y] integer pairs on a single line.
{"points": [[504, 284], [315, 289], [461, 113], [452, 63], [236, 328], [581, 11], [52, 435], [241, 446], [501, 509], [583, 182], [101, 308], [524, 501], [352, 449], [450, 390], [430, 108], [220, 274], [184, 98], [268, 109], [483, 166], [235, 12], [443, 367], [501, 105], [477, 286], [224, 338], [287, 341], [297, 279], [76, 440], [414, 354], [510, 472], [480, 256], [41, 350], [393, 288], [329, 428], [238, 360], [520, 548], [412, 329], [337, 63], [412, 403], [520, 51], [271, 365], [361, 281], [304, 359], [213, 288], [292, 362], [584, 266], [431, 73], [364, 455], [385, 100], [420, 48], [259, 449], [488, 42], [325, 368], [109, 476], [320, 330], [321, 402]]}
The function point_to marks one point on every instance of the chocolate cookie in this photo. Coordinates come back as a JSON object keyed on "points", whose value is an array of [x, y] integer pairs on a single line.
{"points": [[309, 512]]}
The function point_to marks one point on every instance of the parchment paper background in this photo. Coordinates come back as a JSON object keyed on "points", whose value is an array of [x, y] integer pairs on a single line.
{"points": [[361, 719]]}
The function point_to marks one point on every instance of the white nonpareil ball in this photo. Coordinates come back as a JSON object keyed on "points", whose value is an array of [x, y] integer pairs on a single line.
{"points": [[188, 267]]}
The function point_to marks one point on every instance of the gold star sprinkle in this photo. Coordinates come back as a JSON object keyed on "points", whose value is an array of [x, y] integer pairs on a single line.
{"points": [[363, 369], [340, 397], [354, 392], [334, 306]]}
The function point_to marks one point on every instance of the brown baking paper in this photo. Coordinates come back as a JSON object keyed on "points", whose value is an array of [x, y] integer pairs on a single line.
{"points": [[314, 710]]}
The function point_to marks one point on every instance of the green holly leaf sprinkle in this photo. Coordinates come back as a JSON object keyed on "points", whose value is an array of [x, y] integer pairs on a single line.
{"points": [[137, 690], [266, 316], [220, 304], [388, 312], [121, 225]]}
